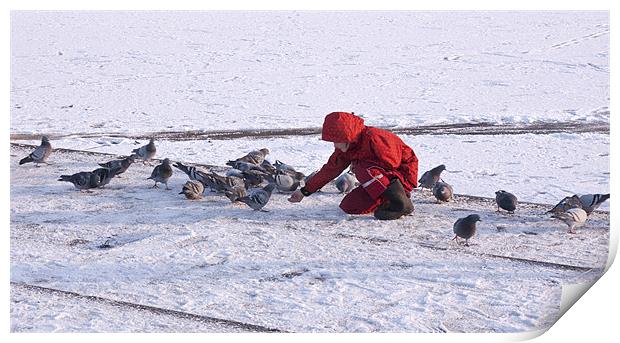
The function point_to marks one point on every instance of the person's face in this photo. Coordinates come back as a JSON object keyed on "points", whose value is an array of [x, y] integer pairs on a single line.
{"points": [[342, 146]]}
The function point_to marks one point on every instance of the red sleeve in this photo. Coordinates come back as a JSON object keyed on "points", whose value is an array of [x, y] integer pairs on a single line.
{"points": [[388, 148], [336, 164]]}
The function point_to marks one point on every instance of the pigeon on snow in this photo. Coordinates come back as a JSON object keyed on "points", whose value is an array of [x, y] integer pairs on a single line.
{"points": [[591, 202], [506, 201], [574, 217], [146, 152], [244, 166], [254, 157], [285, 183], [566, 204], [465, 227], [82, 180], [429, 178], [346, 182], [40, 154], [193, 189], [193, 173], [120, 165], [442, 191], [235, 193], [105, 175], [161, 173], [258, 198]]}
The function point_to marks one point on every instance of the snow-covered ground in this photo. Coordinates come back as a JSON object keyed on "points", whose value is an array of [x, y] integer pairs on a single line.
{"points": [[91, 78], [307, 267], [153, 71]]}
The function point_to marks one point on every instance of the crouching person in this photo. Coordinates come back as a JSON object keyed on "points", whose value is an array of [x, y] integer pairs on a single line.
{"points": [[385, 166]]}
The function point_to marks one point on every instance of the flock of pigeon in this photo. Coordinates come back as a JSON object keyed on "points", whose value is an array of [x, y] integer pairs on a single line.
{"points": [[573, 210], [242, 183]]}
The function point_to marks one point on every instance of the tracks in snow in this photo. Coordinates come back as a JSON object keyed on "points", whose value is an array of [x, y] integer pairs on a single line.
{"points": [[157, 310], [441, 129]]}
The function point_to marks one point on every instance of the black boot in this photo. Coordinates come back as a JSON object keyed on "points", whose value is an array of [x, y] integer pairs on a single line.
{"points": [[397, 202]]}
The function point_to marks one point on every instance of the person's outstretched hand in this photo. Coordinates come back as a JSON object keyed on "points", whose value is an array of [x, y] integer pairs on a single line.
{"points": [[297, 196]]}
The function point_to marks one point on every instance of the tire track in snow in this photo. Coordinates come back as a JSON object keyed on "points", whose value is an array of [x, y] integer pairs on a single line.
{"points": [[440, 129], [157, 310]]}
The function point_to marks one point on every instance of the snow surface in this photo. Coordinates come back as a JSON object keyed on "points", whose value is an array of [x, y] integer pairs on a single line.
{"points": [[152, 71], [91, 76], [307, 268]]}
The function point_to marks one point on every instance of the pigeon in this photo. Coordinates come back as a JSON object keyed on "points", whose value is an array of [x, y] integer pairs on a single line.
{"points": [[566, 204], [346, 182], [253, 178], [255, 157], [193, 173], [193, 189], [286, 169], [40, 154], [105, 175], [591, 202], [258, 198], [506, 201], [122, 165], [466, 227], [235, 193], [244, 166], [574, 217], [269, 168], [442, 191], [285, 183], [222, 184], [161, 173], [146, 152], [82, 180], [430, 177]]}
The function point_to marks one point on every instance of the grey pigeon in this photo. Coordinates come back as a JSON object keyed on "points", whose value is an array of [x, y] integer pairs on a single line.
{"points": [[258, 198], [442, 191], [82, 180], [40, 154], [574, 217], [566, 204], [222, 184], [193, 173], [591, 202], [193, 190], [466, 227], [161, 173], [244, 166], [285, 183], [255, 157], [146, 152], [346, 182], [430, 177], [269, 168], [119, 165], [506, 201], [286, 169], [105, 175]]}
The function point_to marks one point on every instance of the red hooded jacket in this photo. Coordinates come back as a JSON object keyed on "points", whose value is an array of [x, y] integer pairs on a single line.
{"points": [[369, 144]]}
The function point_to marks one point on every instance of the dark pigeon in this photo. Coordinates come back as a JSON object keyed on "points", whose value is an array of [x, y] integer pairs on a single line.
{"points": [[466, 227]]}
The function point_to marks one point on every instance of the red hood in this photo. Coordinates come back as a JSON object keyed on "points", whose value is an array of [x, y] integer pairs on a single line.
{"points": [[342, 127]]}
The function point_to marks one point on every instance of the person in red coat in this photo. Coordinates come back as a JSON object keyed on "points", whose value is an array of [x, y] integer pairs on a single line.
{"points": [[385, 166]]}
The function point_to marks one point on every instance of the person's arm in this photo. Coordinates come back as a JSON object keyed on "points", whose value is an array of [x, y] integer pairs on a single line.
{"points": [[336, 164]]}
